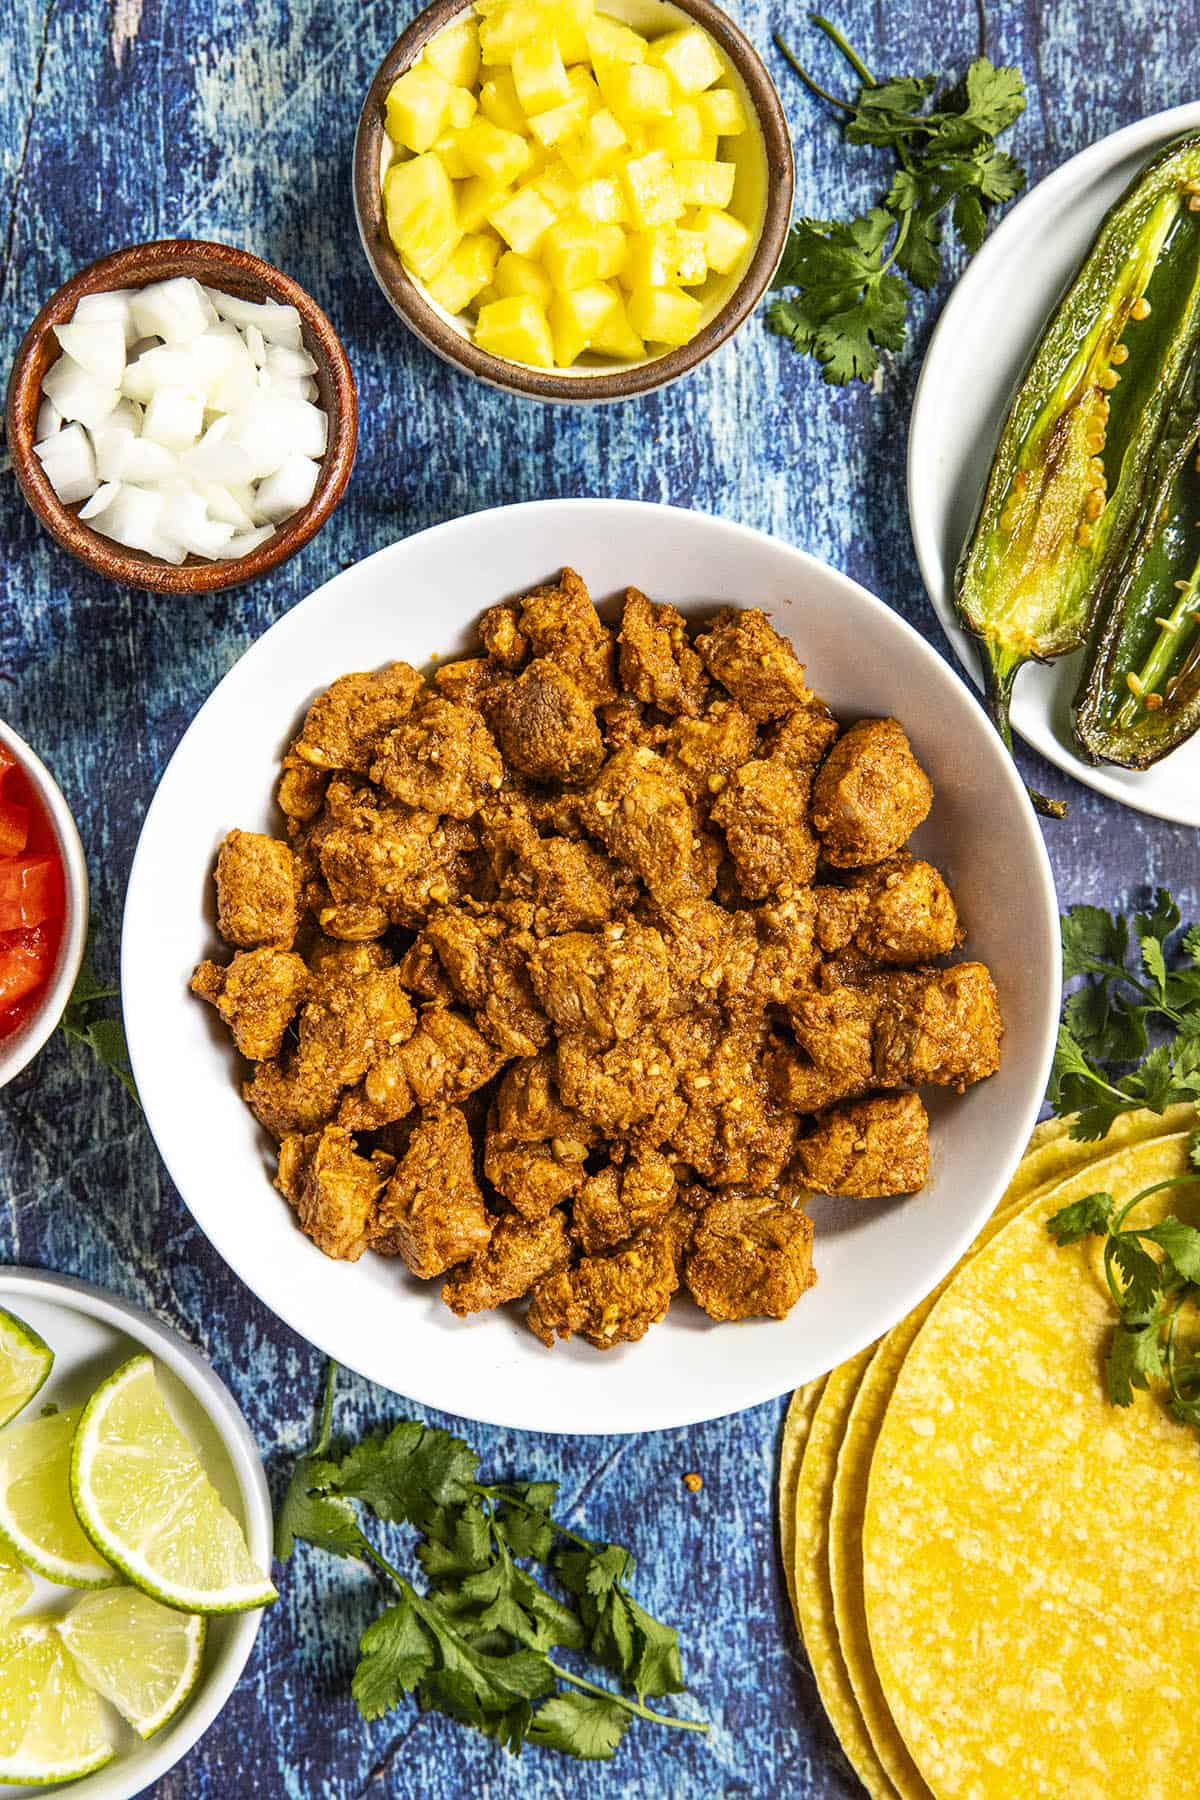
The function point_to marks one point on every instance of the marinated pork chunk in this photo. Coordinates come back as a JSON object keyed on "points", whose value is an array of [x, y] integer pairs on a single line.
{"points": [[334, 1190], [432, 1213], [588, 955], [749, 1256], [869, 795], [258, 891], [867, 1148], [257, 996], [744, 652]]}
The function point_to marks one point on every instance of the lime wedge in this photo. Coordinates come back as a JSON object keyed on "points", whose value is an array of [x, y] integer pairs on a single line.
{"points": [[16, 1588], [143, 1657], [147, 1505], [25, 1362], [51, 1724], [37, 1520]]}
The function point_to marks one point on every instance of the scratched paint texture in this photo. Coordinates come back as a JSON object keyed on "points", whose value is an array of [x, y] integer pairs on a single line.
{"points": [[234, 119]]}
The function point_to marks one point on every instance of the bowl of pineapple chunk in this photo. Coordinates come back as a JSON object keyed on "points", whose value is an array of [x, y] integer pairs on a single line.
{"points": [[574, 200]]}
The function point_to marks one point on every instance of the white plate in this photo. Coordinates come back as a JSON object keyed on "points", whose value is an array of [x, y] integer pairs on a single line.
{"points": [[422, 597], [92, 1333], [976, 356]]}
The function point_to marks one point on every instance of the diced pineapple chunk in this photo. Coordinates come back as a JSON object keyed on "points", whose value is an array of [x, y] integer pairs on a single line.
{"points": [[602, 200], [454, 52], [521, 275], [540, 76], [477, 200], [560, 122], [652, 190], [683, 132], [571, 254], [722, 112], [508, 27], [498, 102], [703, 183], [555, 186], [453, 160], [466, 274], [576, 317], [583, 83], [664, 315], [689, 57], [613, 250], [665, 257], [495, 154], [416, 108], [523, 220], [636, 92], [571, 21], [616, 336], [726, 239], [608, 41], [516, 328], [419, 206], [595, 147], [461, 109]]}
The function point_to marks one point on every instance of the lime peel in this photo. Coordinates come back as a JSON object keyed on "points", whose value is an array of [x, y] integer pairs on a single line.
{"points": [[26, 1360], [38, 1526], [51, 1723], [142, 1656]]}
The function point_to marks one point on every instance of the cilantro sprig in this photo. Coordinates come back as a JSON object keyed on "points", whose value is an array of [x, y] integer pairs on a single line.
{"points": [[84, 1023], [1130, 1032], [475, 1641], [848, 281], [1150, 1292]]}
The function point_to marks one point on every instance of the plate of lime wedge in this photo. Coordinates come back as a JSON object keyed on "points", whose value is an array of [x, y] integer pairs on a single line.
{"points": [[135, 1541]]}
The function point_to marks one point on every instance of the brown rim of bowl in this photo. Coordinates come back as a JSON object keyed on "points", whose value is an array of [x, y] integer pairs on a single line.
{"points": [[237, 272], [622, 384]]}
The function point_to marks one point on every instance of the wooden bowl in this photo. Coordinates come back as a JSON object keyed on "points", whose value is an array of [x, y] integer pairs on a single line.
{"points": [[236, 272], [613, 381]]}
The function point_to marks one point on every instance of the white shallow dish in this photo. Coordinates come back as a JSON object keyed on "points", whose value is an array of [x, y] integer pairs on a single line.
{"points": [[92, 1333], [17, 1051], [976, 356], [420, 598]]}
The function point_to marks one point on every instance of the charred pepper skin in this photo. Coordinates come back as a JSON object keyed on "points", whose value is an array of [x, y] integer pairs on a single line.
{"points": [[1067, 488], [1139, 693]]}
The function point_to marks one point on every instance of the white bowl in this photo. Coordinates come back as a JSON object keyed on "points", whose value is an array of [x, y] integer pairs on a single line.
{"points": [[92, 1333], [19, 1049], [975, 359], [420, 598]]}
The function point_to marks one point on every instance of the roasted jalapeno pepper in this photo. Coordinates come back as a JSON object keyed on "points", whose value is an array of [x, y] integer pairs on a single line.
{"points": [[1139, 694], [1068, 483]]}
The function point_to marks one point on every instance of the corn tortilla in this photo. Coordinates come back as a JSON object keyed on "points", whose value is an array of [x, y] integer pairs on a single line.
{"points": [[813, 1594], [791, 1451], [865, 1418], [1053, 1154], [1026, 1546]]}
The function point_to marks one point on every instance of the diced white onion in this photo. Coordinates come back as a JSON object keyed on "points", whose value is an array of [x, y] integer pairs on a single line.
{"points": [[183, 418], [98, 346], [103, 498], [69, 464], [287, 490]]}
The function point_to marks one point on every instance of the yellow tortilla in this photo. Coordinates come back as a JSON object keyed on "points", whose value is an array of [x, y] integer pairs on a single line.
{"points": [[1053, 1154], [1028, 1548], [791, 1451], [863, 1423], [813, 1594]]}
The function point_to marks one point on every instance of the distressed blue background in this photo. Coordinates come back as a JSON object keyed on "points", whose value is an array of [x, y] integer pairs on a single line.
{"points": [[149, 118]]}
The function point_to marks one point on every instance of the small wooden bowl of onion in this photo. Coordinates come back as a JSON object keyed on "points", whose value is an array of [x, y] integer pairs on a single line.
{"points": [[196, 469]]}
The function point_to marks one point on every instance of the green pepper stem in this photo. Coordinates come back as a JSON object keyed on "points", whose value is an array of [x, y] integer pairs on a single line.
{"points": [[999, 674], [1172, 634]]}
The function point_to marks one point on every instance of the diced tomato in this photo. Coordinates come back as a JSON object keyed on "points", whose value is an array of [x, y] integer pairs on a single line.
{"points": [[14, 827], [26, 962], [31, 891], [7, 761]]}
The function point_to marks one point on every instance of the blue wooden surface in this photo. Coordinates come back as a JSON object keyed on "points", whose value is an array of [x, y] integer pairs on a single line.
{"points": [[234, 119]]}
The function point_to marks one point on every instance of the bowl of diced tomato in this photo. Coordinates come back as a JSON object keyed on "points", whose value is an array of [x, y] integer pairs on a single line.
{"points": [[43, 904]]}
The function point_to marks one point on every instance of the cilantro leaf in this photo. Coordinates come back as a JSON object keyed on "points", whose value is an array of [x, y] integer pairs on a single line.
{"points": [[410, 1475], [103, 1036], [1143, 1276], [1094, 942], [995, 97], [1134, 1357], [1179, 1243], [395, 1654], [583, 1725], [1088, 1217]]}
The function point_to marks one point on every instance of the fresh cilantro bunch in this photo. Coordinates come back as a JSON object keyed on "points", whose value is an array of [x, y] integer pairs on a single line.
{"points": [[848, 282], [103, 1034], [476, 1642], [1105, 1063], [1150, 1292]]}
